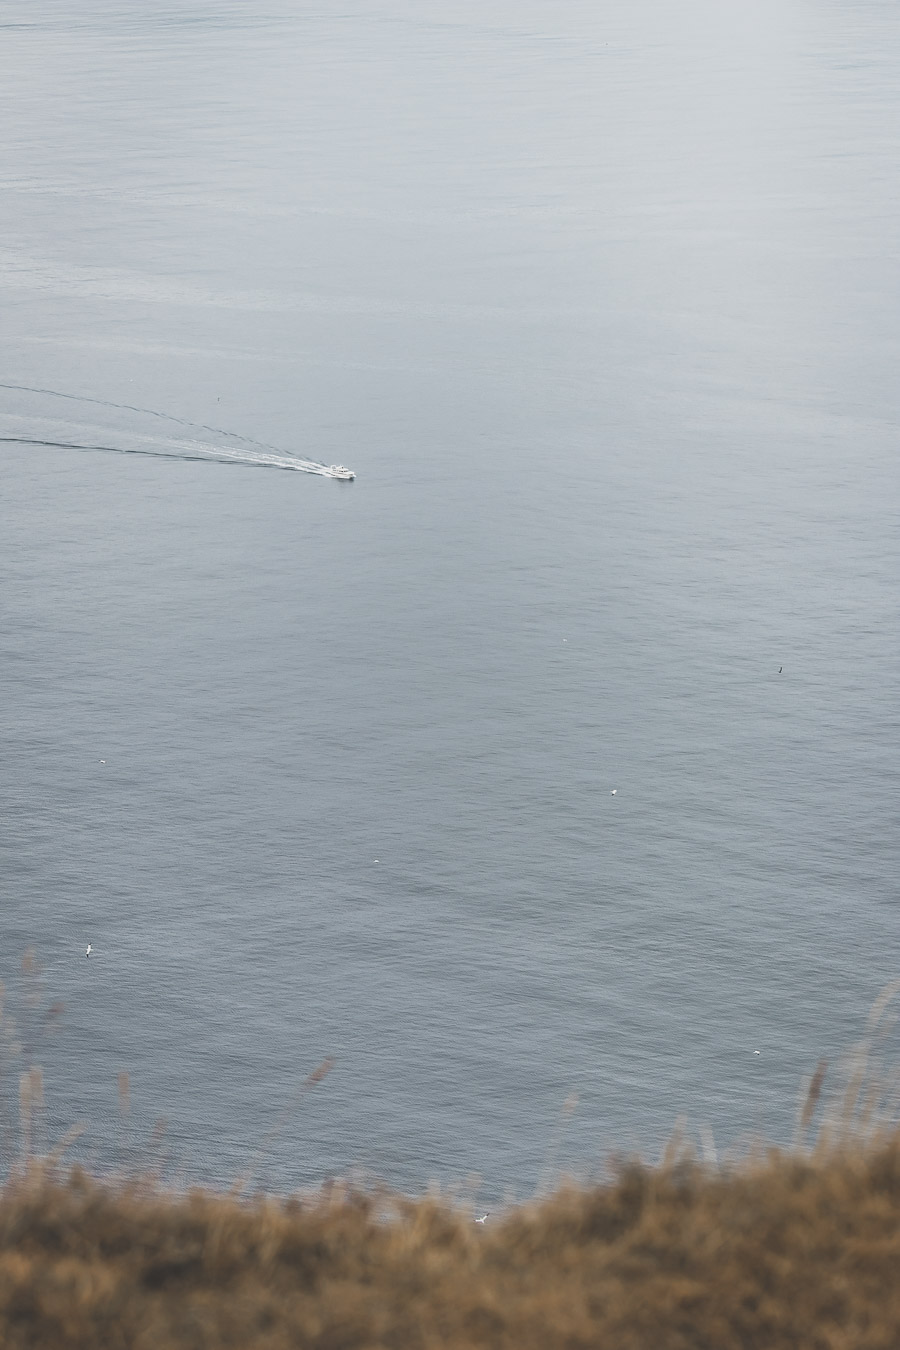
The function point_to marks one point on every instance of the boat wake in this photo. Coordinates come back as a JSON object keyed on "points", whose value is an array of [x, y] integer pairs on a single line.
{"points": [[213, 444]]}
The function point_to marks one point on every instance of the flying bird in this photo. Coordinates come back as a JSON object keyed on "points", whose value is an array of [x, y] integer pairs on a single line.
{"points": [[482, 1219], [89, 949], [614, 791]]}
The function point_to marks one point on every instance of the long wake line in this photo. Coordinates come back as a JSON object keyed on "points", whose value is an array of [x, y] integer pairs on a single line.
{"points": [[214, 455], [220, 456], [261, 456], [131, 407]]}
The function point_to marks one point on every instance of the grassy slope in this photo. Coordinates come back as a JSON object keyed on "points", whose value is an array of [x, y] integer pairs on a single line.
{"points": [[785, 1253]]}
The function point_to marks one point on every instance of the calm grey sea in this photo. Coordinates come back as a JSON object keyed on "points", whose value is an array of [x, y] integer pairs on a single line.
{"points": [[558, 753]]}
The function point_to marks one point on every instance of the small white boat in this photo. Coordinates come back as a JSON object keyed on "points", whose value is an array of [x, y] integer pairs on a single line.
{"points": [[338, 471]]}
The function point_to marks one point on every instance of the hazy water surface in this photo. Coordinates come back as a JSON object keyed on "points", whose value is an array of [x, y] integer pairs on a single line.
{"points": [[600, 303]]}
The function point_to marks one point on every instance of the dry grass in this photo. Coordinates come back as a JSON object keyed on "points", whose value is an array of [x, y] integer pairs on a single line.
{"points": [[794, 1250], [787, 1253]]}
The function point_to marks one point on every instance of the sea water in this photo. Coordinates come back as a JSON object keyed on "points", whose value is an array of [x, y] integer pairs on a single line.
{"points": [[557, 754]]}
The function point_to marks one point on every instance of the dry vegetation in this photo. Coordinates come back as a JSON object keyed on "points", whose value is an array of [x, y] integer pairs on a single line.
{"points": [[795, 1250], [789, 1253]]}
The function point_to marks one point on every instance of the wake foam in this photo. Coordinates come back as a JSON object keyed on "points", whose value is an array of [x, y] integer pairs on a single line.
{"points": [[214, 444]]}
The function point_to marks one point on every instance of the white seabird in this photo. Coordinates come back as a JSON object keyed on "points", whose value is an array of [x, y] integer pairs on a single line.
{"points": [[89, 949], [482, 1219], [614, 791]]}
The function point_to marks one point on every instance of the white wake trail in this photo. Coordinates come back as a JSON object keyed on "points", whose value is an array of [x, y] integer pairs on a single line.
{"points": [[276, 459], [66, 435], [53, 433]]}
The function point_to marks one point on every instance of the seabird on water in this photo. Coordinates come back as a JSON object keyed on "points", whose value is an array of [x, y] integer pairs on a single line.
{"points": [[89, 949]]}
